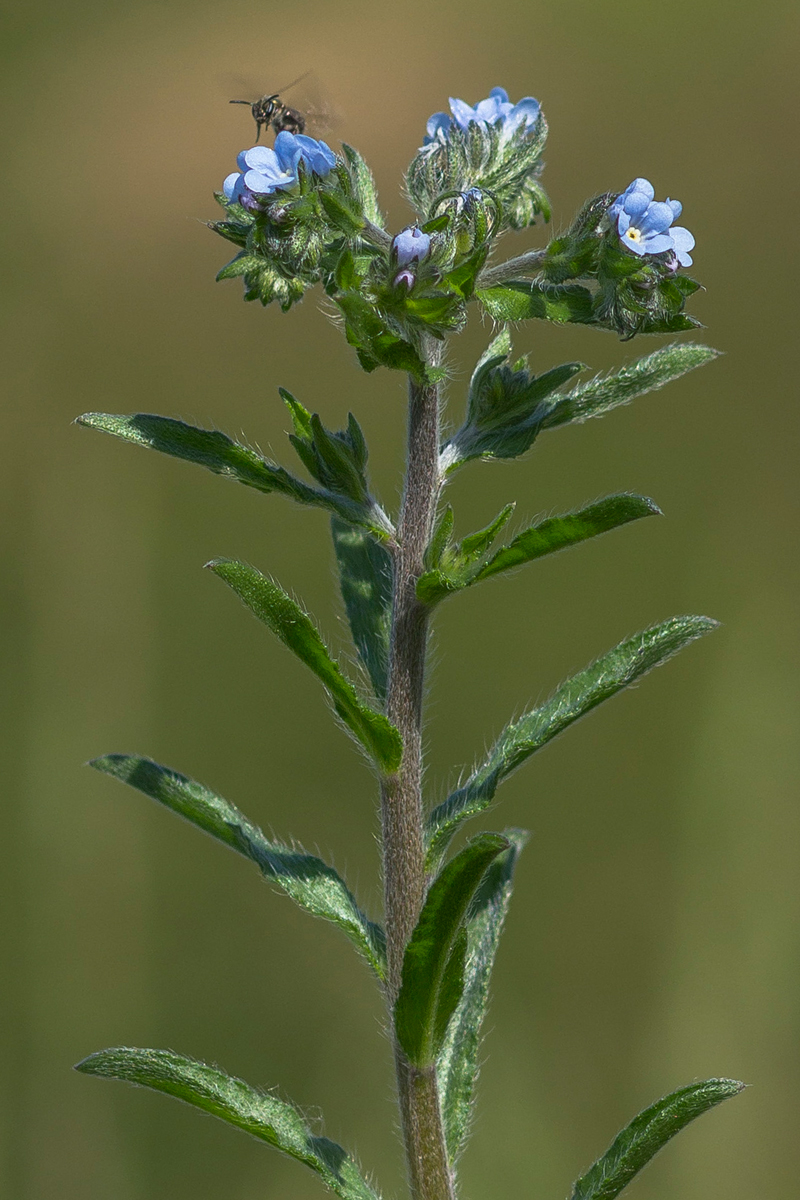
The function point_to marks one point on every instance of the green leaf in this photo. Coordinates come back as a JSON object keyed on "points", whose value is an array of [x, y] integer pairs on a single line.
{"points": [[459, 571], [605, 677], [521, 300], [375, 343], [457, 565], [599, 395], [220, 454], [365, 578], [504, 407], [363, 185], [308, 880], [433, 966], [457, 1066], [557, 533], [256, 1112], [296, 630], [644, 1137]]}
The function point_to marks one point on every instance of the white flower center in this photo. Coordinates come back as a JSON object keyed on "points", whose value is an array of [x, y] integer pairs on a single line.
{"points": [[633, 235]]}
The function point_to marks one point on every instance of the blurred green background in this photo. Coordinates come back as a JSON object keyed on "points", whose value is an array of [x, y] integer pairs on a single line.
{"points": [[654, 935]]}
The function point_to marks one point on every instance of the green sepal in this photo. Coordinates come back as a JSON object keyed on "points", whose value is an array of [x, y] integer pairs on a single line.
{"points": [[608, 675], [640, 1141], [309, 881], [522, 300], [218, 453], [258, 1113], [504, 404], [457, 1065], [297, 631], [458, 570], [433, 965], [365, 579], [599, 395]]}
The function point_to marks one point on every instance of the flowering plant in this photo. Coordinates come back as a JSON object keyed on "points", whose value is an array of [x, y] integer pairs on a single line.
{"points": [[300, 216]]}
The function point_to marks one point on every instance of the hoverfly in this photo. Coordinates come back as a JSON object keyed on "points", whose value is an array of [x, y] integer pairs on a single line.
{"points": [[271, 110]]}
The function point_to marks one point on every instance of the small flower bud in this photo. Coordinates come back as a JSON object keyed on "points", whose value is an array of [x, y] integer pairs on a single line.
{"points": [[411, 245], [405, 278]]}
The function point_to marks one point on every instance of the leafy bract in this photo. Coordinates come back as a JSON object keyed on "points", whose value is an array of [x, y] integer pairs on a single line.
{"points": [[502, 407], [507, 407], [363, 185], [638, 1142], [605, 677], [521, 300], [313, 884], [457, 1065], [457, 568], [296, 630], [256, 1112], [433, 965], [365, 578], [218, 453], [599, 395]]}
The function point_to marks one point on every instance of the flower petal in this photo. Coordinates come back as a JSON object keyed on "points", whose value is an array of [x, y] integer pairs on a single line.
{"points": [[462, 113], [232, 186], [642, 185], [623, 223], [439, 122], [635, 203], [682, 243], [656, 218], [657, 243], [676, 206], [526, 110], [259, 158], [499, 94]]}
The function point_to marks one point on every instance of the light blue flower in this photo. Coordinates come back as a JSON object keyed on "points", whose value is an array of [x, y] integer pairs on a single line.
{"points": [[644, 224], [497, 107], [263, 171], [411, 245]]}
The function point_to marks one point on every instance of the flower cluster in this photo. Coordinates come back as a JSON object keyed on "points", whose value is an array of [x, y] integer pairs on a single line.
{"points": [[645, 225], [496, 108], [264, 171]]}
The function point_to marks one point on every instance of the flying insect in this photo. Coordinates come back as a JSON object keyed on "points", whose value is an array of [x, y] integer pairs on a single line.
{"points": [[271, 110]]}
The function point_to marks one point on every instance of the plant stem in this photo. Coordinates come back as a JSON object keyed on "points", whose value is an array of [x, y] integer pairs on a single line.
{"points": [[401, 794], [524, 264]]}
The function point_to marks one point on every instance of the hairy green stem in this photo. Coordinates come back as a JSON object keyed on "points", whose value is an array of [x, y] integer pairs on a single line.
{"points": [[524, 264], [401, 794]]}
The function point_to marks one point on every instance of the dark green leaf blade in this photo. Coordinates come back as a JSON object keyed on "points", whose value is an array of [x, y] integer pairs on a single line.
{"points": [[521, 300], [310, 882], [633, 1148], [557, 533], [433, 966], [605, 677], [365, 579], [218, 453], [258, 1113], [297, 631], [603, 393], [457, 1066]]}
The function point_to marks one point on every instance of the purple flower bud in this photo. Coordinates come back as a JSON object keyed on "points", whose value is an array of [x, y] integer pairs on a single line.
{"points": [[405, 278], [411, 245]]}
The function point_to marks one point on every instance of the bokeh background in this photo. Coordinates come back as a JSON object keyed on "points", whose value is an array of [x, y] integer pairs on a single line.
{"points": [[654, 935]]}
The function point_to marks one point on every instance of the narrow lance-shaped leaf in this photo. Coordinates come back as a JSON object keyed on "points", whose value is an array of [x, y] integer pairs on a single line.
{"points": [[598, 396], [220, 454], [296, 630], [638, 1142], [610, 674], [457, 1065], [365, 578], [313, 884], [433, 965], [521, 300], [545, 537], [258, 1113]]}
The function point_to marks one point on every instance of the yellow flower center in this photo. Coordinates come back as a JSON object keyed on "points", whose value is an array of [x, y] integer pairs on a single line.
{"points": [[634, 235]]}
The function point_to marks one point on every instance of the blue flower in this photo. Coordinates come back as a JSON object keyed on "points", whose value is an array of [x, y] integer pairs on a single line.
{"points": [[263, 171], [411, 245], [645, 225], [497, 107]]}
